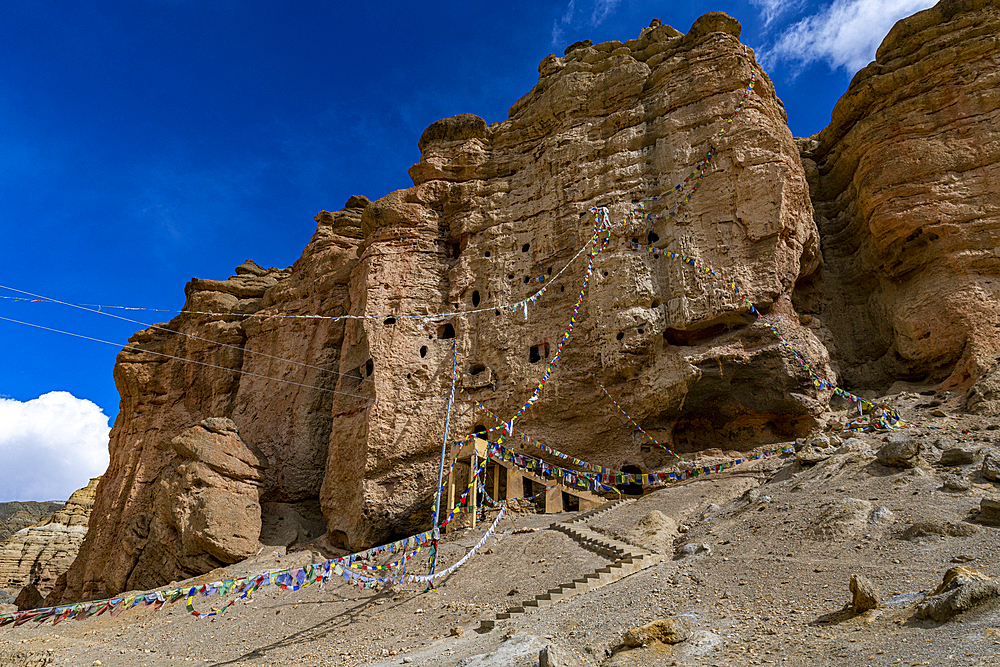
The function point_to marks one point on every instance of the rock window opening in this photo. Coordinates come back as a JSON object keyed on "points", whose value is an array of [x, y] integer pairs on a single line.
{"points": [[477, 369], [536, 352], [446, 331], [652, 238], [475, 298], [510, 276], [621, 334], [562, 288], [480, 430], [525, 247], [641, 331], [369, 368], [389, 321], [605, 274], [487, 253], [655, 304], [423, 351], [496, 312]]}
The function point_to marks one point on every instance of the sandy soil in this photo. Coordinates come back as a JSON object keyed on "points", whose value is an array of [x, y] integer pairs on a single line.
{"points": [[782, 542]]}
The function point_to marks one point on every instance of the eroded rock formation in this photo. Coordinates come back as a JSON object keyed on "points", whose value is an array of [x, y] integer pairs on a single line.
{"points": [[354, 426], [905, 183], [492, 204], [161, 397], [206, 503], [36, 555]]}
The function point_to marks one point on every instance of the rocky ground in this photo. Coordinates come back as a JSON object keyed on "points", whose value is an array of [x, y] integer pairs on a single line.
{"points": [[760, 563]]}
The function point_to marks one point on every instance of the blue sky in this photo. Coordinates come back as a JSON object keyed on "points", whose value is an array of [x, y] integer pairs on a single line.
{"points": [[144, 142]]}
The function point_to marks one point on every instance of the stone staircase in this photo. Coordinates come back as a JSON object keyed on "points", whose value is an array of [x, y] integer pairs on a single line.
{"points": [[628, 560]]}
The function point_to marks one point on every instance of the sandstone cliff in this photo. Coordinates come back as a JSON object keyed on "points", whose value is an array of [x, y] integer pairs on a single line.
{"points": [[161, 397], [357, 425], [904, 183], [36, 555]]}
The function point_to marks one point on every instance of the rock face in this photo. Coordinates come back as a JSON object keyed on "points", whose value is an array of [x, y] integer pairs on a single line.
{"points": [[206, 503], [492, 206], [605, 124], [38, 554], [161, 397], [904, 184]]}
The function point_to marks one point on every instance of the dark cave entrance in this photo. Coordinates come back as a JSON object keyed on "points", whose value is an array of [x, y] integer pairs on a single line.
{"points": [[631, 489]]}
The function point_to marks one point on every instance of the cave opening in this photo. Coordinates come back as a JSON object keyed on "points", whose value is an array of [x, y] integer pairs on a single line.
{"points": [[369, 368], [445, 331], [423, 351], [475, 298], [631, 489]]}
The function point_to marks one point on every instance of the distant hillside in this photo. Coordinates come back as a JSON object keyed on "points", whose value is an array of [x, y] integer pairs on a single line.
{"points": [[17, 515]]}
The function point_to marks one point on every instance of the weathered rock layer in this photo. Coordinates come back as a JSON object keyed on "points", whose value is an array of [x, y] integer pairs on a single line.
{"points": [[904, 183], [36, 555], [347, 416], [359, 422]]}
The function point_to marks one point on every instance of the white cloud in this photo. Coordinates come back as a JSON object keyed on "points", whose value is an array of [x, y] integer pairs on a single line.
{"points": [[772, 9], [50, 446], [844, 34], [603, 9], [562, 22]]}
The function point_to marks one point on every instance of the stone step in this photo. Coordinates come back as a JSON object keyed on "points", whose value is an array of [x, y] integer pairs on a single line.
{"points": [[628, 560]]}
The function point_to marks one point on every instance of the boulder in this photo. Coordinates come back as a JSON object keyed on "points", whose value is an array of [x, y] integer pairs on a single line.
{"points": [[848, 517], [991, 465], [956, 482], [663, 630], [29, 598], [815, 449], [989, 511], [938, 529], [864, 594], [900, 451], [958, 456], [962, 589]]}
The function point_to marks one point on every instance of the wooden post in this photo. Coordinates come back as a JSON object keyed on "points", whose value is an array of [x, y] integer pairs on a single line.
{"points": [[496, 482], [451, 497], [474, 480]]}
